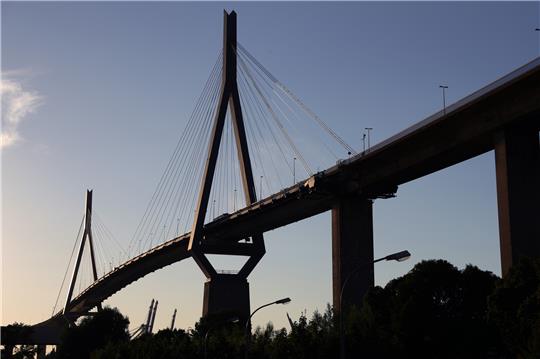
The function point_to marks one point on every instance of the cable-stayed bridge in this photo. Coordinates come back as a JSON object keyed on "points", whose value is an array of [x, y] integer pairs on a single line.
{"points": [[254, 157]]}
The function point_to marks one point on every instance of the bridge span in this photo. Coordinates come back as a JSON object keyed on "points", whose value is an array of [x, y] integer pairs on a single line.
{"points": [[505, 111], [503, 116]]}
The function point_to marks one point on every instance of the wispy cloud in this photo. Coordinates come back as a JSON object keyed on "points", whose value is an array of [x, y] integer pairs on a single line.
{"points": [[17, 103]]}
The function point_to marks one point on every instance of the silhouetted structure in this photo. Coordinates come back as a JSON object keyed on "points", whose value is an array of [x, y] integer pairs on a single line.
{"points": [[86, 234], [502, 116], [226, 292]]}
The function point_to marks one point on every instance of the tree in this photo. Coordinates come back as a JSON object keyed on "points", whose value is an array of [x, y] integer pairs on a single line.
{"points": [[434, 311], [105, 326], [514, 308]]}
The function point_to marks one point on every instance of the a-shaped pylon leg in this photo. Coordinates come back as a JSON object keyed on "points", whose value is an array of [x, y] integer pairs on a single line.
{"points": [[226, 292], [86, 234]]}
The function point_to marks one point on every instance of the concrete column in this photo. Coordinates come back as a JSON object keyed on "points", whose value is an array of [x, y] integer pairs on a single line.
{"points": [[517, 161], [352, 246], [227, 293]]}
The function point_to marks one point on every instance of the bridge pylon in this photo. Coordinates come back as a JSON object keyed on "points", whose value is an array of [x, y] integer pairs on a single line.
{"points": [[226, 292], [87, 234]]}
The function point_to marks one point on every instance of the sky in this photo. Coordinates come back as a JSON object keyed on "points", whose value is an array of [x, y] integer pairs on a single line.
{"points": [[96, 95]]}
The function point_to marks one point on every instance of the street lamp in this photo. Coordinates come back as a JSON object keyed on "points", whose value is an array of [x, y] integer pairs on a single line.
{"points": [[294, 170], [248, 322], [260, 188], [364, 143], [398, 256], [229, 320], [368, 129], [444, 87]]}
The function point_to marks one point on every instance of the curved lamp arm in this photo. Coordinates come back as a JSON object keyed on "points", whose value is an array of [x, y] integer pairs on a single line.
{"points": [[280, 301]]}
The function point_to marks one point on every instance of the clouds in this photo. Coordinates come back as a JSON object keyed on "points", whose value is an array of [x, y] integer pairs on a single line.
{"points": [[17, 103]]}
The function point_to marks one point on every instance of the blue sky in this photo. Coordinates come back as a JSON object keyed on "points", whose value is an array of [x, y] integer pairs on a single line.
{"points": [[104, 91]]}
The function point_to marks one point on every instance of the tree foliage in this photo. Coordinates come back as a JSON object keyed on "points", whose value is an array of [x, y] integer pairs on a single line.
{"points": [[514, 308], [434, 311], [107, 326]]}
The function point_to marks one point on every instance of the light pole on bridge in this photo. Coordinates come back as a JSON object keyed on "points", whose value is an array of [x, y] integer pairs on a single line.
{"points": [[294, 170], [260, 188], [444, 87], [364, 142], [368, 129]]}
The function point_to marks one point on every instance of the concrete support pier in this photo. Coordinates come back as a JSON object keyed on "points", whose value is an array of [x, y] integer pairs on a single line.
{"points": [[517, 161], [352, 246], [227, 293]]}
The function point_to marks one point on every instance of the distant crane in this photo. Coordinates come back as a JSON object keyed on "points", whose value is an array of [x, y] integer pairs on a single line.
{"points": [[153, 317], [146, 327], [149, 317], [173, 319]]}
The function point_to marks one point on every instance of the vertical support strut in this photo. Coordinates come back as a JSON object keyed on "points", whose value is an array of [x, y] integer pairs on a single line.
{"points": [[87, 233], [352, 247], [217, 294], [517, 167]]}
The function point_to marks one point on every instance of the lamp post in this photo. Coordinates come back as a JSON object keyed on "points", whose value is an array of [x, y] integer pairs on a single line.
{"points": [[248, 322], [444, 87], [364, 143], [398, 256], [205, 343], [294, 170], [368, 129], [260, 188]]}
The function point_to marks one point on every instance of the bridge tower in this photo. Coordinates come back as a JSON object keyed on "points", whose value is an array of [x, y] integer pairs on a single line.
{"points": [[226, 292], [86, 234]]}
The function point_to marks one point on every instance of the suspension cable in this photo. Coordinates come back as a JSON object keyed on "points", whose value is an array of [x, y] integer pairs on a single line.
{"points": [[295, 98]]}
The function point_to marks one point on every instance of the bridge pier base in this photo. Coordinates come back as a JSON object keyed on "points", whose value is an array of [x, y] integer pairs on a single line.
{"points": [[352, 246], [227, 293], [517, 163]]}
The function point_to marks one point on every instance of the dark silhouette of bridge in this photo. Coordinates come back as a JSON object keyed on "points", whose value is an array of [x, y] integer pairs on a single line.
{"points": [[503, 116]]}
